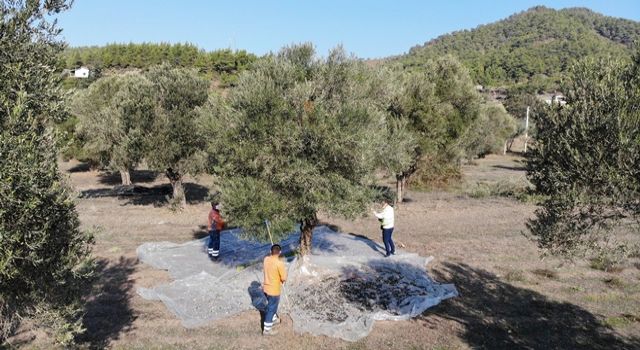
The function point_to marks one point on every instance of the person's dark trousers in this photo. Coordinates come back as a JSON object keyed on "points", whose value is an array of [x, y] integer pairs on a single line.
{"points": [[214, 243], [272, 308], [389, 247]]}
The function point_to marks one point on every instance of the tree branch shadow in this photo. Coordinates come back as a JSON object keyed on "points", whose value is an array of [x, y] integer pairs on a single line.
{"points": [[498, 315], [201, 232], [512, 168], [366, 240], [81, 167], [137, 176], [108, 310], [156, 196]]}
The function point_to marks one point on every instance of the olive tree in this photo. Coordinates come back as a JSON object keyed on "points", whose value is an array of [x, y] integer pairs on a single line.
{"points": [[44, 257], [439, 103], [586, 160], [489, 132], [176, 143], [301, 137], [115, 116], [399, 152]]}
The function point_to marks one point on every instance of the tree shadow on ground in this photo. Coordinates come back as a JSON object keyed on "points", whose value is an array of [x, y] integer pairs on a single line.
{"points": [[366, 240], [506, 167], [201, 232], [80, 167], [137, 176], [156, 196], [108, 310], [328, 246], [331, 226], [238, 251], [498, 315]]}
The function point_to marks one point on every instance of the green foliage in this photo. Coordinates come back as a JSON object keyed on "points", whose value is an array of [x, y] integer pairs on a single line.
{"points": [[400, 149], [225, 64], [71, 145], [489, 131], [44, 257], [115, 117], [534, 47], [302, 135], [518, 100], [440, 103], [511, 188], [586, 159], [176, 143]]}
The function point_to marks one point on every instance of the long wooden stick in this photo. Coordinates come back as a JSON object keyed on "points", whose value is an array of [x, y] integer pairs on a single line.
{"points": [[266, 222]]}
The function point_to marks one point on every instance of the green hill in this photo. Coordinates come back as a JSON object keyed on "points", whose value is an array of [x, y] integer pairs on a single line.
{"points": [[534, 47]]}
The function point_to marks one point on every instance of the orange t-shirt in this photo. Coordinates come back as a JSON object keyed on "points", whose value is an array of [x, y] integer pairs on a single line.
{"points": [[274, 275]]}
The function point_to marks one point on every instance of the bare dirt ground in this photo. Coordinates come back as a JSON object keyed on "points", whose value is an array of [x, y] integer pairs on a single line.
{"points": [[510, 297]]}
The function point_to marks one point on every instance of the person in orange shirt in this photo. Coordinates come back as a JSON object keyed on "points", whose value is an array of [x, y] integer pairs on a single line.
{"points": [[275, 275], [215, 225]]}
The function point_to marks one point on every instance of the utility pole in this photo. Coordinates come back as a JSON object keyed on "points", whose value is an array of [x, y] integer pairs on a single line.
{"points": [[526, 131]]}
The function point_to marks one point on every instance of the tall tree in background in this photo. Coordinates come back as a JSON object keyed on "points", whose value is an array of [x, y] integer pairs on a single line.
{"points": [[43, 255], [398, 154], [177, 144], [586, 159], [115, 117], [489, 132], [439, 104], [302, 136]]}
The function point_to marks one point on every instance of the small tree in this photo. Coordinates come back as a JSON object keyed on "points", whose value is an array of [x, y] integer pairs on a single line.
{"points": [[586, 158], [115, 118], [44, 257], [177, 143], [489, 131], [302, 136]]}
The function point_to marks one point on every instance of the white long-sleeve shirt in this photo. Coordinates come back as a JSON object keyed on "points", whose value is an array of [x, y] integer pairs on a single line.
{"points": [[387, 216]]}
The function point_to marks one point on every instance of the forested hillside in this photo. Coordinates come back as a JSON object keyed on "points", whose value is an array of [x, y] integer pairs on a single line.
{"points": [[534, 47], [225, 63]]}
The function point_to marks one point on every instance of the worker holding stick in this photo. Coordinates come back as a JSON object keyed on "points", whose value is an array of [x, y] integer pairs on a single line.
{"points": [[275, 275]]}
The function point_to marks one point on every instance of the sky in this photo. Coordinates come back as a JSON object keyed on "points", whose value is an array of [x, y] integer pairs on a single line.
{"points": [[369, 29]]}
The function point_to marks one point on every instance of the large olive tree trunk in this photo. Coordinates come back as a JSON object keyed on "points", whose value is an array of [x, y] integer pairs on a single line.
{"points": [[306, 234], [125, 176], [401, 182], [175, 178]]}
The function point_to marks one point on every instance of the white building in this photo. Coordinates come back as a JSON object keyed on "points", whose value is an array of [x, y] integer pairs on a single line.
{"points": [[559, 99], [82, 72]]}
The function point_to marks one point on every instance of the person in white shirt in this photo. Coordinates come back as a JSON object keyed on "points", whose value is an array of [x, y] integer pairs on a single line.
{"points": [[387, 219]]}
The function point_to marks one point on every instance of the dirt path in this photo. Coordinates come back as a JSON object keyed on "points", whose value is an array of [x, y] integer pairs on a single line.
{"points": [[510, 298]]}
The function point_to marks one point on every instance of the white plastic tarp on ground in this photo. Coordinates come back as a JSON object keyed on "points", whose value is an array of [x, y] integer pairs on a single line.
{"points": [[339, 291]]}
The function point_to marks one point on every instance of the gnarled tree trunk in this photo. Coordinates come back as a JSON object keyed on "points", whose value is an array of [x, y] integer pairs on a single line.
{"points": [[125, 176], [400, 182], [510, 144], [401, 185], [175, 178], [306, 235]]}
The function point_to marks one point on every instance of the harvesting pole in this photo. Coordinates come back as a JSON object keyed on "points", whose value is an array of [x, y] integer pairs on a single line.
{"points": [[266, 222], [526, 130]]}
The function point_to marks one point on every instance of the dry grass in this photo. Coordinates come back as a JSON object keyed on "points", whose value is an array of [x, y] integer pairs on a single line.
{"points": [[510, 298], [545, 273]]}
